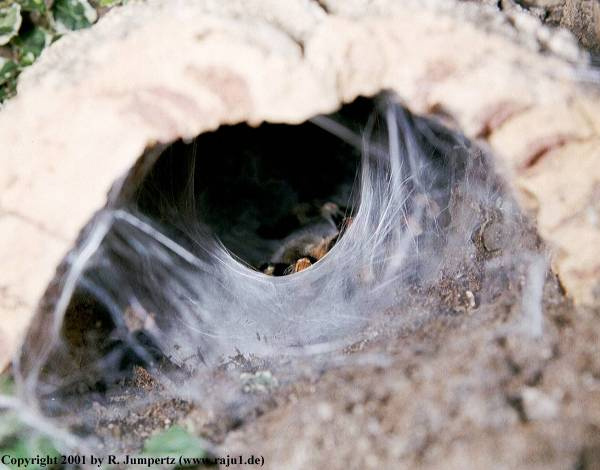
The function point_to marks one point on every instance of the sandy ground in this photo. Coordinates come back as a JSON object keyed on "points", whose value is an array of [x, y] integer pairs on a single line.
{"points": [[466, 393], [465, 390]]}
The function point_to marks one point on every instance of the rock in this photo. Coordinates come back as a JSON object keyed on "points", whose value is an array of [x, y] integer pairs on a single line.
{"points": [[537, 405]]}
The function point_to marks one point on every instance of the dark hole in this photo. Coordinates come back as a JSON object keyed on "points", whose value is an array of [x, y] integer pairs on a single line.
{"points": [[253, 187]]}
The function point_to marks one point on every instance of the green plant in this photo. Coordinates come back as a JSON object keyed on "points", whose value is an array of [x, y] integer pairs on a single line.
{"points": [[27, 27], [174, 441], [16, 439]]}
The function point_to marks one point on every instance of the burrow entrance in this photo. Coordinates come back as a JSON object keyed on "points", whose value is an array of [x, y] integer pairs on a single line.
{"points": [[399, 219]]}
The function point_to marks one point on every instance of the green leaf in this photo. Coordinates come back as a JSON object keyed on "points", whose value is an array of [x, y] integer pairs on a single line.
{"points": [[23, 446], [175, 441], [33, 5], [9, 70], [7, 385], [9, 426], [31, 44], [70, 15], [6, 92], [10, 22], [110, 3]]}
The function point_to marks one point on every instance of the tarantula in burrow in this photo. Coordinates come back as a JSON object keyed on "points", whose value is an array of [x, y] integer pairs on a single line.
{"points": [[311, 242]]}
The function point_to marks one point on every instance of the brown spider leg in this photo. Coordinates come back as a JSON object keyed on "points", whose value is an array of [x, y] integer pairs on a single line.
{"points": [[302, 264], [332, 212], [273, 269], [346, 222], [319, 250], [298, 266]]}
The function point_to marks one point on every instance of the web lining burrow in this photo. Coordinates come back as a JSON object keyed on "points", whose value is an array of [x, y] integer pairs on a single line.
{"points": [[173, 278]]}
